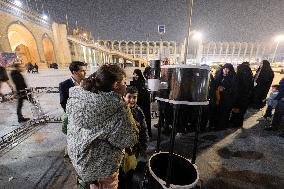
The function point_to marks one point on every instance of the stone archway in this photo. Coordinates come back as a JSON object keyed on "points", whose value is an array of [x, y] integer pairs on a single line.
{"points": [[23, 43], [48, 50], [23, 53]]}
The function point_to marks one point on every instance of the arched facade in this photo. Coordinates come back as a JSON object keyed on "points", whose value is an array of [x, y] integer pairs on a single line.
{"points": [[23, 43], [237, 52], [22, 31], [143, 49], [48, 49], [116, 46]]}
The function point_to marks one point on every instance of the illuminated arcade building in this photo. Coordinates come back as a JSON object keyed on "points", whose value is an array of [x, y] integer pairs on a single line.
{"points": [[36, 38], [145, 49], [237, 52]]}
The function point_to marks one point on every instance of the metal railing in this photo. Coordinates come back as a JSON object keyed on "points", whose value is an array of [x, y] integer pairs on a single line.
{"points": [[13, 138]]}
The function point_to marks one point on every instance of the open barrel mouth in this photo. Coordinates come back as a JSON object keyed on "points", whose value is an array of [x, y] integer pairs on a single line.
{"points": [[184, 173]]}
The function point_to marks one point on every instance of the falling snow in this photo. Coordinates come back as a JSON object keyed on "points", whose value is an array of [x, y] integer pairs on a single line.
{"points": [[219, 20]]}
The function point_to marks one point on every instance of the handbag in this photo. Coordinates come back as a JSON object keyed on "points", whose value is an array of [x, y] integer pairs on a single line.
{"points": [[129, 162]]}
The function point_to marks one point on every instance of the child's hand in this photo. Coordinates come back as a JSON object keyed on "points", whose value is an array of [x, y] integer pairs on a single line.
{"points": [[138, 125]]}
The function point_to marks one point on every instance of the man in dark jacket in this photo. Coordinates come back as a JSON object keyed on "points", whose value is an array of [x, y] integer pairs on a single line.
{"points": [[78, 71], [21, 88]]}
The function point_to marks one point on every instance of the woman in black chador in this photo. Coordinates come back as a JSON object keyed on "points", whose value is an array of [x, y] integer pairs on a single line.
{"points": [[243, 87], [262, 82], [221, 97], [143, 100]]}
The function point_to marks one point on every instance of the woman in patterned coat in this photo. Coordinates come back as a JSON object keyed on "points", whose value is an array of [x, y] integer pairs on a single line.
{"points": [[100, 127]]}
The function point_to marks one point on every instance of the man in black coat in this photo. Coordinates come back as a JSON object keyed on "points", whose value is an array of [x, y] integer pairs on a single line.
{"points": [[21, 88], [78, 71]]}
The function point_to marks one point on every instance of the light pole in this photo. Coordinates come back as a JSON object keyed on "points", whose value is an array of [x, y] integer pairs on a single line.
{"points": [[188, 31], [277, 39], [197, 36]]}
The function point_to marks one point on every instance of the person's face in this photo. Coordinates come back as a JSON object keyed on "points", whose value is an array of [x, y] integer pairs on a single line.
{"points": [[274, 89], [120, 86], [21, 68], [131, 99], [135, 76], [225, 71], [81, 73]]}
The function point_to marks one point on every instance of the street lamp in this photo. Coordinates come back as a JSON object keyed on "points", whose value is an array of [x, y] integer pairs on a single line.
{"points": [[277, 39], [197, 36]]}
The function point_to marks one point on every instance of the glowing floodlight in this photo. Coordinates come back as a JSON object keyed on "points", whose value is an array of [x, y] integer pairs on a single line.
{"points": [[197, 36], [279, 38]]}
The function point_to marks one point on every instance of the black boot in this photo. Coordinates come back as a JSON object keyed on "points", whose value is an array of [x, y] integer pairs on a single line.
{"points": [[23, 119]]}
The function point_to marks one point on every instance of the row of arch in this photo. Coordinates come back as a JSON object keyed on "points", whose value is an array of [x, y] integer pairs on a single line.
{"points": [[237, 50], [138, 47], [23, 42], [146, 43]]}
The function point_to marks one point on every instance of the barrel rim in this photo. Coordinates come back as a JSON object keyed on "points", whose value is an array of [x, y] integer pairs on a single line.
{"points": [[163, 183], [176, 102], [186, 66]]}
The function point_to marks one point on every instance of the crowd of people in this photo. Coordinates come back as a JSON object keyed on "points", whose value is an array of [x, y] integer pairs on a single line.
{"points": [[108, 123], [232, 93]]}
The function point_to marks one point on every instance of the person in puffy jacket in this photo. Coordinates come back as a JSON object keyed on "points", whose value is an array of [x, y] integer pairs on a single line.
{"points": [[100, 127]]}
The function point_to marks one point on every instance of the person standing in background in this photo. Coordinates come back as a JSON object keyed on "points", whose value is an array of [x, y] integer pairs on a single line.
{"points": [[78, 71], [262, 82], [242, 87], [143, 100], [21, 88], [5, 79]]}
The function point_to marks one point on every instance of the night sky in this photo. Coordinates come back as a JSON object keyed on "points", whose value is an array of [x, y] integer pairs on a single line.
{"points": [[218, 20]]}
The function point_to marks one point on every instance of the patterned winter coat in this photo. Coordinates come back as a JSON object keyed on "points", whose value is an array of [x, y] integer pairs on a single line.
{"points": [[100, 127]]}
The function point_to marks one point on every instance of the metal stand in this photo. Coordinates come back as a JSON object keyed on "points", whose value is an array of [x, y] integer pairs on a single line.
{"points": [[196, 135], [173, 134], [172, 144], [160, 123]]}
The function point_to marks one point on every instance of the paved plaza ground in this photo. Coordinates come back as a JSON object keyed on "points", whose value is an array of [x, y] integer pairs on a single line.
{"points": [[234, 158]]}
